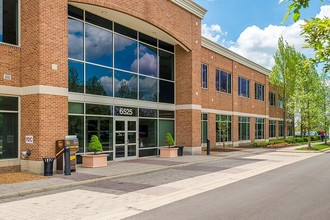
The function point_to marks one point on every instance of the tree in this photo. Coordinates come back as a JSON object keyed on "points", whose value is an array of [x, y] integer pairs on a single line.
{"points": [[95, 144], [283, 75], [316, 32], [325, 104], [307, 96], [222, 132], [169, 139]]}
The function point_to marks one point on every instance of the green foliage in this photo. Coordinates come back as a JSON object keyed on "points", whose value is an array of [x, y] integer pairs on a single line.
{"points": [[169, 139], [95, 144], [260, 144], [290, 140]]}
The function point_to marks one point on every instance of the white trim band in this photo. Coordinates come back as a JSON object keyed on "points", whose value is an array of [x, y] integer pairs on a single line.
{"points": [[31, 90]]}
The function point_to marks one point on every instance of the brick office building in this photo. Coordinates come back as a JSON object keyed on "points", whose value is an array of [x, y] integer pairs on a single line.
{"points": [[127, 71]]}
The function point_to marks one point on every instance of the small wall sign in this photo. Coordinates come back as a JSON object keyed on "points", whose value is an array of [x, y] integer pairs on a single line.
{"points": [[29, 139]]}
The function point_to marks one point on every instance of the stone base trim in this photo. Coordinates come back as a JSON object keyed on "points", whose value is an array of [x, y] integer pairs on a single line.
{"points": [[192, 150], [36, 167]]}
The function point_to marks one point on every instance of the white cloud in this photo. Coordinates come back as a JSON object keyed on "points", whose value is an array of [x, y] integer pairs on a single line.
{"points": [[212, 32], [325, 12], [260, 45]]}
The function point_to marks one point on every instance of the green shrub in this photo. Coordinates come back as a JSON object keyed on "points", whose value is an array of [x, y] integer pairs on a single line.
{"points": [[305, 139], [260, 144], [169, 139], [290, 140], [95, 145], [280, 141], [299, 139]]}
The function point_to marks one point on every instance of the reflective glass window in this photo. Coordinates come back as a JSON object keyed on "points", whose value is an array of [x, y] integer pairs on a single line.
{"points": [[102, 128], [259, 128], [9, 21], [8, 103], [148, 133], [147, 39], [166, 65], [166, 114], [166, 46], [204, 76], [148, 88], [148, 60], [76, 127], [244, 128], [98, 45], [146, 112], [165, 126], [272, 98], [76, 39], [125, 31], [76, 108], [204, 131], [93, 109], [272, 128], [125, 85], [76, 76], [8, 135], [166, 91], [99, 21], [98, 80], [125, 53], [243, 87], [75, 12], [259, 92]]}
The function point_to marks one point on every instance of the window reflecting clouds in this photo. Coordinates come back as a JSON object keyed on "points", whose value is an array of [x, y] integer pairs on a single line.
{"points": [[76, 39], [125, 85], [148, 89], [98, 45], [125, 53], [119, 62], [148, 60], [98, 80]]}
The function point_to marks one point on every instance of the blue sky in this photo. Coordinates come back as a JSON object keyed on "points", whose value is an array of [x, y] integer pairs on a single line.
{"points": [[251, 28]]}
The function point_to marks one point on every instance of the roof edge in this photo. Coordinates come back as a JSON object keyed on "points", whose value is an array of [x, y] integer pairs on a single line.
{"points": [[192, 7], [208, 44]]}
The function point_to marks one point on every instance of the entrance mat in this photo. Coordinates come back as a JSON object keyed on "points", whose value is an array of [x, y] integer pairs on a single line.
{"points": [[155, 162], [119, 185]]}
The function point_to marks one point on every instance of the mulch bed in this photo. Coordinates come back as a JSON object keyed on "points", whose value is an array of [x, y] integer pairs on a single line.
{"points": [[17, 177]]}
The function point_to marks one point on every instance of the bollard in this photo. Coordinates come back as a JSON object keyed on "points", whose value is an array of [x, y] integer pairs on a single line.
{"points": [[67, 167], [208, 147]]}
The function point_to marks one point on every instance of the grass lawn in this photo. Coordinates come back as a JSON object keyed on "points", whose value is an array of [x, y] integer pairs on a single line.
{"points": [[315, 147]]}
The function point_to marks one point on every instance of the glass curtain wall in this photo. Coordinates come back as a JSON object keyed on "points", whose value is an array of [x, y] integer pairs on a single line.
{"points": [[244, 128], [260, 128], [223, 122], [272, 128], [108, 59], [8, 127], [86, 120]]}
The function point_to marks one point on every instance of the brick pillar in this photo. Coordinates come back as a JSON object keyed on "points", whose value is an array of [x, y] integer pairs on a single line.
{"points": [[188, 92], [44, 102]]}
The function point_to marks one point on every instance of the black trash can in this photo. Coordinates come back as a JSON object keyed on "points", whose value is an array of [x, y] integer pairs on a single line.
{"points": [[180, 150], [48, 166]]}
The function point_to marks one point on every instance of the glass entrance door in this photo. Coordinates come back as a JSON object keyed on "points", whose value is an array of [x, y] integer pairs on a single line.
{"points": [[125, 139]]}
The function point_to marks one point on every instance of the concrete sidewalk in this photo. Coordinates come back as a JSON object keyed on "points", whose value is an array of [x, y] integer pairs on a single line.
{"points": [[116, 170]]}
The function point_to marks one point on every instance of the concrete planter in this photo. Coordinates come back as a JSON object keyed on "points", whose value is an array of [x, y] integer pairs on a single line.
{"points": [[169, 152], [94, 160]]}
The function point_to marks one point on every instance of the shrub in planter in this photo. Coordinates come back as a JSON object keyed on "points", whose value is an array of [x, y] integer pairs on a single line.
{"points": [[95, 145]]}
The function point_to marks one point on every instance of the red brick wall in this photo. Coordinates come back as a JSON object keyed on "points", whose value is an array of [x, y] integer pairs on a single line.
{"points": [[10, 64]]}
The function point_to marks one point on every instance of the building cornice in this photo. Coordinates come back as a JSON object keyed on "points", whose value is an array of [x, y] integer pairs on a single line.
{"points": [[192, 7], [208, 44]]}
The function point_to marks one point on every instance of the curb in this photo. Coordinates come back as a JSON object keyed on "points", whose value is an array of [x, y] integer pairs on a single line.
{"points": [[73, 184]]}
